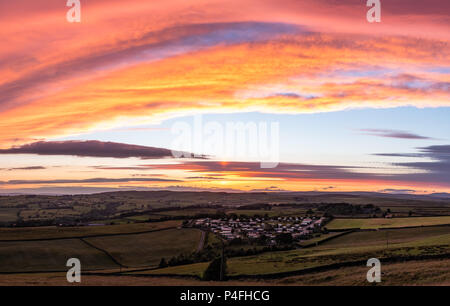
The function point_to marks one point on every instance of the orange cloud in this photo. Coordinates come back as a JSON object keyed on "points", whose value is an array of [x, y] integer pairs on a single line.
{"points": [[146, 60]]}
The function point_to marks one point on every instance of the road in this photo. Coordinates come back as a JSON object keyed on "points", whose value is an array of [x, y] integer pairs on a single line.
{"points": [[201, 243]]}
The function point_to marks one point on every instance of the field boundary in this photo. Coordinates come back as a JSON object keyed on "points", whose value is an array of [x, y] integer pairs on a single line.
{"points": [[104, 252], [383, 228], [414, 226], [337, 266], [312, 244], [201, 243], [91, 236], [294, 272]]}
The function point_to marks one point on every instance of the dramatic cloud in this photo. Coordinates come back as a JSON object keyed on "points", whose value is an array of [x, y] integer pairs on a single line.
{"points": [[203, 178], [85, 181], [56, 190], [285, 171], [439, 164], [92, 148], [439, 152], [393, 134], [436, 168], [176, 57], [419, 174], [397, 191], [27, 168], [120, 168], [436, 172]]}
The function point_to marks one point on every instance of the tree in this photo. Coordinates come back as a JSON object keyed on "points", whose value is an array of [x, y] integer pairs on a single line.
{"points": [[215, 269], [233, 216], [262, 240], [163, 263], [284, 238], [236, 241]]}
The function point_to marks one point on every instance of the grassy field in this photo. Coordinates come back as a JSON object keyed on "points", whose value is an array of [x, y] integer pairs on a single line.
{"points": [[132, 242], [424, 272], [8, 214], [352, 247], [114, 205], [148, 249], [187, 212], [374, 223], [59, 279], [213, 240], [134, 250], [50, 255], [271, 213], [319, 239], [51, 232], [386, 237]]}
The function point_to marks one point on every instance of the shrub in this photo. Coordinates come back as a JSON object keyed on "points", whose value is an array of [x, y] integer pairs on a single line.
{"points": [[215, 269], [163, 263]]}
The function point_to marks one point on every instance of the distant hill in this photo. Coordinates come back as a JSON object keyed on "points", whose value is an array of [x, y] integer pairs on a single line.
{"points": [[443, 195]]}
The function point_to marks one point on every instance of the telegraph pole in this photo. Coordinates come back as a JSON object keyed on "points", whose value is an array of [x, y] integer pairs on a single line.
{"points": [[387, 239], [222, 260]]}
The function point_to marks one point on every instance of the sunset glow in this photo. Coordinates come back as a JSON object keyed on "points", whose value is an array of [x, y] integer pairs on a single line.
{"points": [[360, 106]]}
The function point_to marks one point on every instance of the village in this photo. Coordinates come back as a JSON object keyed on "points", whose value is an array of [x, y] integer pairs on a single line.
{"points": [[300, 228]]}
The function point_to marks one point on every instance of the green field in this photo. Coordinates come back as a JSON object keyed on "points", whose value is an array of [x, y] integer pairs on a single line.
{"points": [[213, 240], [131, 206], [422, 272], [126, 239], [52, 232], [392, 238], [134, 250], [8, 214], [374, 223], [50, 255], [147, 249], [352, 247], [318, 239], [187, 212]]}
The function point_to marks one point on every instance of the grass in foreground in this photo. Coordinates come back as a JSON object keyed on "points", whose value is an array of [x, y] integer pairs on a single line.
{"points": [[352, 247], [424, 272]]}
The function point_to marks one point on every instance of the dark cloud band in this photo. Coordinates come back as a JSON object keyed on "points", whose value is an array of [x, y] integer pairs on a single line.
{"points": [[90, 148]]}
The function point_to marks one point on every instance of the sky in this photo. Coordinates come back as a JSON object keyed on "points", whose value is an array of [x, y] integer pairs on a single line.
{"points": [[142, 95]]}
